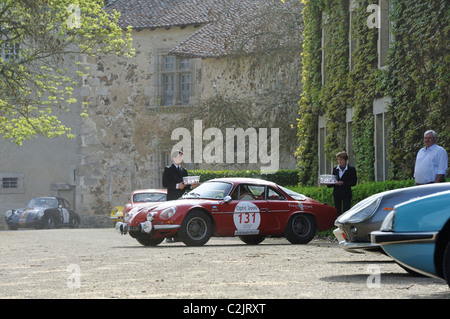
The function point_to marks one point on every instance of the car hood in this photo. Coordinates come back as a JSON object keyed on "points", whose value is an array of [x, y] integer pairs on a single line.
{"points": [[394, 197], [29, 210], [185, 202], [145, 204]]}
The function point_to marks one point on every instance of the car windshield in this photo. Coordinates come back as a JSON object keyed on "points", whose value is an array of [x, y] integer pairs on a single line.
{"points": [[43, 202], [149, 197], [210, 190], [293, 194]]}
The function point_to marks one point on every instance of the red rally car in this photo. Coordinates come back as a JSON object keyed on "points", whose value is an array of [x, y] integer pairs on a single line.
{"points": [[251, 209]]}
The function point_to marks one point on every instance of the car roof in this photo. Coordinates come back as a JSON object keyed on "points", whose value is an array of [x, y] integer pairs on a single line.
{"points": [[242, 180], [436, 187], [150, 190]]}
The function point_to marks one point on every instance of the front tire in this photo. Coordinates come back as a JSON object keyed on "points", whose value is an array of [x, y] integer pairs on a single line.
{"points": [[76, 222], [300, 229], [148, 241], [50, 223], [196, 229], [252, 240]]}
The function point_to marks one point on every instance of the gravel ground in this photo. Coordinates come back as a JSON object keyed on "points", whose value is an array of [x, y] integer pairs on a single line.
{"points": [[100, 263]]}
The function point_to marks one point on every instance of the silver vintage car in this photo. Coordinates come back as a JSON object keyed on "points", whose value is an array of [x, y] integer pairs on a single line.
{"points": [[354, 226]]}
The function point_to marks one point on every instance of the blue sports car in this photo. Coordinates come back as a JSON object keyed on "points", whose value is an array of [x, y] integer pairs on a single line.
{"points": [[43, 212], [416, 234]]}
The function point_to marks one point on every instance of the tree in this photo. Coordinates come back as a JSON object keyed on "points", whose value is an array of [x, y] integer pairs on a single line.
{"points": [[36, 36]]}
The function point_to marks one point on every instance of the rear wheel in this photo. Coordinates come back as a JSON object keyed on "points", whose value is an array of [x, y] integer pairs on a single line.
{"points": [[300, 229], [75, 222], [196, 229]]}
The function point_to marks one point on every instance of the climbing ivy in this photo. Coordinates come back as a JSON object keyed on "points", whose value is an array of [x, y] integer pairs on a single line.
{"points": [[416, 78], [419, 79], [309, 105]]}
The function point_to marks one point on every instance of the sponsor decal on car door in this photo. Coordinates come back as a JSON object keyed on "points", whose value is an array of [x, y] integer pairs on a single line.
{"points": [[247, 219], [65, 216]]}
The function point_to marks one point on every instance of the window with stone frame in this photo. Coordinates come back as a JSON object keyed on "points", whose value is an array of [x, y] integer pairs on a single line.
{"points": [[9, 51], [176, 80], [12, 183]]}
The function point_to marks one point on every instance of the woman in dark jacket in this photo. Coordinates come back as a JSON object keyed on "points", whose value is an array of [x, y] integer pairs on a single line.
{"points": [[346, 176]]}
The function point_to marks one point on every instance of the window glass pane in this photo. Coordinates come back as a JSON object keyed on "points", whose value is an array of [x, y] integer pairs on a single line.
{"points": [[169, 89], [185, 64], [176, 81], [169, 63], [9, 182], [274, 195], [10, 51]]}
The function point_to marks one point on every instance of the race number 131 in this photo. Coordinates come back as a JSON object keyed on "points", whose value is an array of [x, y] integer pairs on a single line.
{"points": [[245, 218]]}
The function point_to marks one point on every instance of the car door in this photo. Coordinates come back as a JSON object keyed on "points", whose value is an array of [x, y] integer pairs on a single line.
{"points": [[279, 209], [65, 215], [246, 213]]}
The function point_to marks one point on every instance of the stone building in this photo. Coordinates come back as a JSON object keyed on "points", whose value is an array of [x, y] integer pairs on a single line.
{"points": [[186, 53]]}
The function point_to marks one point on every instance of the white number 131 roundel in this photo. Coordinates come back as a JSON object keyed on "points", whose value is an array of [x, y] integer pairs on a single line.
{"points": [[246, 219]]}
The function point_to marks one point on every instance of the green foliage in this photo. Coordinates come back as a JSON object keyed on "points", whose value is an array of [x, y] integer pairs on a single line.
{"points": [[419, 79], [309, 104], [416, 78], [324, 195], [43, 36]]}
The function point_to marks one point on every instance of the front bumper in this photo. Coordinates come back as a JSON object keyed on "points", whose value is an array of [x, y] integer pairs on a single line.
{"points": [[380, 237], [413, 250], [145, 227], [353, 247], [28, 222]]}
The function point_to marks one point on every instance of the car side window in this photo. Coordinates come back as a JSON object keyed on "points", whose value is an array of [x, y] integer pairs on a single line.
{"points": [[248, 192], [272, 194], [65, 203]]}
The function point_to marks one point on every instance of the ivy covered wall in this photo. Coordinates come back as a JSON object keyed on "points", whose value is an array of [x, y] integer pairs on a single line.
{"points": [[416, 78]]}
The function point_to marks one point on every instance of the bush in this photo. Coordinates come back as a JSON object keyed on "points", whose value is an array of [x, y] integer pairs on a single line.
{"points": [[361, 191], [289, 178]]}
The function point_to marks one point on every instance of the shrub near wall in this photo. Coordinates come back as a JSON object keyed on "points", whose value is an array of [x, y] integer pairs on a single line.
{"points": [[289, 178], [324, 195]]}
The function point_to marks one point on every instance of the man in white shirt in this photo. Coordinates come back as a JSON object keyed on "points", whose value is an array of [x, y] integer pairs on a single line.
{"points": [[431, 161]]}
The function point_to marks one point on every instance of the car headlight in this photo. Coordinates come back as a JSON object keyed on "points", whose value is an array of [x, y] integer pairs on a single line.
{"points": [[40, 213], [168, 213], [150, 217], [388, 222], [361, 211], [126, 218], [8, 213]]}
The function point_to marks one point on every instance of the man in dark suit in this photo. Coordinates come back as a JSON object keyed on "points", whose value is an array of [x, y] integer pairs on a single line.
{"points": [[346, 176], [173, 177], [173, 181]]}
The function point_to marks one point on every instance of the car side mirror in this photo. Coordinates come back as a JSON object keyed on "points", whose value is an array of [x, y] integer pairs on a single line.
{"points": [[227, 199]]}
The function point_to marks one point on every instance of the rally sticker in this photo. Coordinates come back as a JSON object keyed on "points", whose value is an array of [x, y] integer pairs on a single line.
{"points": [[65, 216], [246, 219]]}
